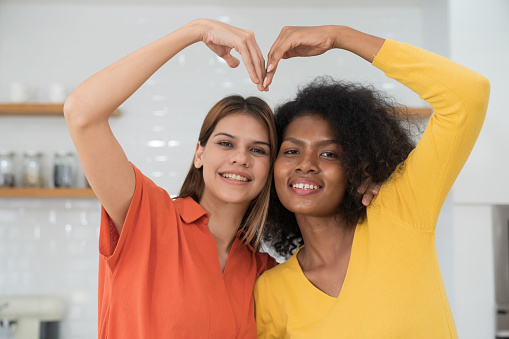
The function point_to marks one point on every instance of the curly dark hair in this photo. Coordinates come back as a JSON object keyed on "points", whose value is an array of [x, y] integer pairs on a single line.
{"points": [[374, 135]]}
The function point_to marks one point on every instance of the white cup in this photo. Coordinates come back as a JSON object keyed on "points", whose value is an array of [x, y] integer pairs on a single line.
{"points": [[57, 93], [20, 92]]}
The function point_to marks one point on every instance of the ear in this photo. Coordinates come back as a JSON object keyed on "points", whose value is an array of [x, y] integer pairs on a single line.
{"points": [[198, 156]]}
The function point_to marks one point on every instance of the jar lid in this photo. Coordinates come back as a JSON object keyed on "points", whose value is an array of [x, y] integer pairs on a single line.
{"points": [[32, 153], [64, 153]]}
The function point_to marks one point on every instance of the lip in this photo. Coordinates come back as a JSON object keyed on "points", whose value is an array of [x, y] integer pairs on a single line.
{"points": [[235, 182], [304, 181]]}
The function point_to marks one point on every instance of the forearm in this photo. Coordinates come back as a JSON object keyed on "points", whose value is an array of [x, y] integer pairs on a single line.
{"points": [[297, 41], [97, 97], [364, 45]]}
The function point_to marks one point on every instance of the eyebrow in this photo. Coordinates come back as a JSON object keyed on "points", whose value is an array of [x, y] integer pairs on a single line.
{"points": [[234, 137], [320, 143]]}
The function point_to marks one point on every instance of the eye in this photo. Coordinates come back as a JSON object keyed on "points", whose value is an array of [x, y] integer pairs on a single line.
{"points": [[258, 150], [329, 155], [291, 152], [225, 143]]}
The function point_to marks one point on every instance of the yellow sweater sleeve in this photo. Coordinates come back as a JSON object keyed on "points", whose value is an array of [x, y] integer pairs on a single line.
{"points": [[459, 98]]}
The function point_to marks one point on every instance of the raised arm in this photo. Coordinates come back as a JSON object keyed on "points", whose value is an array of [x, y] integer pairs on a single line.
{"points": [[311, 41], [458, 95], [89, 106]]}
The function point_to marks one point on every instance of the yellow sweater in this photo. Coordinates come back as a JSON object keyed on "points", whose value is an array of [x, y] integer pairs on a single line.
{"points": [[393, 287]]}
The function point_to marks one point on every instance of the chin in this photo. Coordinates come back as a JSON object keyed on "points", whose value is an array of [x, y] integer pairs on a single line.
{"points": [[310, 210], [230, 199], [299, 208]]}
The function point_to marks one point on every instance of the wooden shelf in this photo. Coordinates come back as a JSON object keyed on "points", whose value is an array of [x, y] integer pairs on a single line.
{"points": [[47, 193], [421, 112], [37, 109]]}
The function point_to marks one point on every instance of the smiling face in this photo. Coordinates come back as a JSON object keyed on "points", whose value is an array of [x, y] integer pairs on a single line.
{"points": [[308, 175], [235, 160]]}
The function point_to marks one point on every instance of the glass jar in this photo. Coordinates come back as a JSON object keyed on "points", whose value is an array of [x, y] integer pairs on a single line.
{"points": [[6, 169], [63, 169], [32, 169]]}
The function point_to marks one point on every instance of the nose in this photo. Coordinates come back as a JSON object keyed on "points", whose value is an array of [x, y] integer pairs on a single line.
{"points": [[241, 157], [307, 164]]}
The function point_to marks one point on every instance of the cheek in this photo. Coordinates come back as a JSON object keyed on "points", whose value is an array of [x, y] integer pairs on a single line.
{"points": [[340, 176], [337, 181], [281, 173], [210, 164], [278, 171], [262, 169]]}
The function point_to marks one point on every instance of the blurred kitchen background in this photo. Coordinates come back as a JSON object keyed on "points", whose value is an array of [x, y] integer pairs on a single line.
{"points": [[48, 245]]}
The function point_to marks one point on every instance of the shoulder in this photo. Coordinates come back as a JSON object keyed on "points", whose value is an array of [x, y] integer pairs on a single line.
{"points": [[151, 199], [282, 274]]}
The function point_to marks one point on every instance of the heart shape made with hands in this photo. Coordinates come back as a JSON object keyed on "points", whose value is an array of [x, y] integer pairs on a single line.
{"points": [[293, 41]]}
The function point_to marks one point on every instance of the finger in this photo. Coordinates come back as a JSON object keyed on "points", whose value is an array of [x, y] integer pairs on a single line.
{"points": [[271, 71], [281, 51], [252, 56], [367, 198], [248, 62], [232, 61], [362, 188], [258, 62], [276, 53], [376, 189]]}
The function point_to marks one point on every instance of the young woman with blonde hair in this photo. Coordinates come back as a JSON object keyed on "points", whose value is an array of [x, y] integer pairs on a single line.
{"points": [[181, 268]]}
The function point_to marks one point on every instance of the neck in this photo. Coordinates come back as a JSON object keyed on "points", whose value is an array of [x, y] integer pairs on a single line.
{"points": [[224, 221], [325, 240]]}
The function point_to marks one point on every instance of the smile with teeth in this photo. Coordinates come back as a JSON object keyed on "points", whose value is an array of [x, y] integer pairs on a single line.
{"points": [[235, 177], [305, 187]]}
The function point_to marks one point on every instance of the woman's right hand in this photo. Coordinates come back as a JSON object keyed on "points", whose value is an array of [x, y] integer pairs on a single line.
{"points": [[221, 38]]}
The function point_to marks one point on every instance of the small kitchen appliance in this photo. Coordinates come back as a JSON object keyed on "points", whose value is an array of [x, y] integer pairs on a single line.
{"points": [[30, 317]]}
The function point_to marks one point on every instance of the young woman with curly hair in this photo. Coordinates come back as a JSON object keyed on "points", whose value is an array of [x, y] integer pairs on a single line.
{"points": [[356, 271]]}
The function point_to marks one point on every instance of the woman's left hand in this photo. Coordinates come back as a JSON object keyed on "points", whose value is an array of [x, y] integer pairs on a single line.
{"points": [[310, 41], [294, 41], [368, 191]]}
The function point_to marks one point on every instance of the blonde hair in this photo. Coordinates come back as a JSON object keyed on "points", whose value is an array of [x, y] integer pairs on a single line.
{"points": [[256, 214]]}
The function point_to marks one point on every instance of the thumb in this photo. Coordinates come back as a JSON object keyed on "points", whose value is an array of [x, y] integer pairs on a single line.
{"points": [[231, 60]]}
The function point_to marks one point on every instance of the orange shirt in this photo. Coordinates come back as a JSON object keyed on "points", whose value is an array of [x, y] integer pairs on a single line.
{"points": [[163, 279]]}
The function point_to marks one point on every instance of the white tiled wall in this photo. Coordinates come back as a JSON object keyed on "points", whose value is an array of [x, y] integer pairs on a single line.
{"points": [[49, 246]]}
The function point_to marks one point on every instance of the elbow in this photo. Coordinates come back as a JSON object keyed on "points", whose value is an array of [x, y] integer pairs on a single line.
{"points": [[484, 86], [481, 87], [75, 113], [69, 110]]}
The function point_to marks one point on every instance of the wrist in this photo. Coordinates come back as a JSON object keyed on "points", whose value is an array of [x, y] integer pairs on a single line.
{"points": [[194, 31], [343, 36]]}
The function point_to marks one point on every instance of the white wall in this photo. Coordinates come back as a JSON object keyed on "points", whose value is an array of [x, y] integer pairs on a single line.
{"points": [[50, 246], [478, 39], [474, 291]]}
